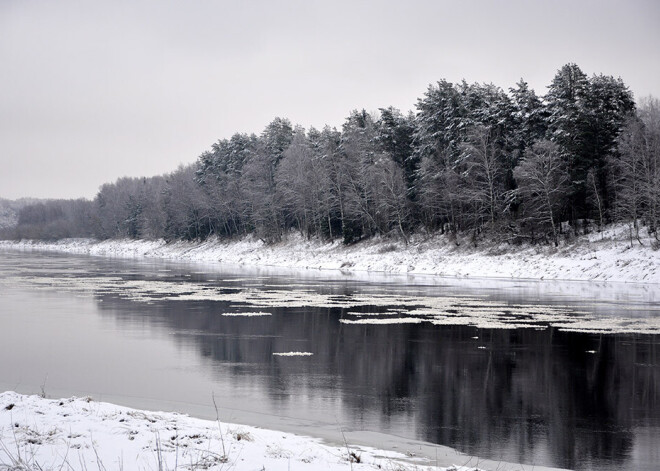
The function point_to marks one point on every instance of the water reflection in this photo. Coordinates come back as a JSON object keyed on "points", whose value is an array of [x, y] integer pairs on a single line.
{"points": [[576, 400]]}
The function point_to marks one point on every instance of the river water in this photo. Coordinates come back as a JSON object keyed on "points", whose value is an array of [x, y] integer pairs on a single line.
{"points": [[541, 373]]}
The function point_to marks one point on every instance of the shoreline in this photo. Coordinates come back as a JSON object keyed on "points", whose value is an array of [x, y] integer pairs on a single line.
{"points": [[81, 433], [607, 256]]}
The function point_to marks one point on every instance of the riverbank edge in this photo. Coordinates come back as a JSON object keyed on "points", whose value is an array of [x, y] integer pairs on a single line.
{"points": [[606, 256], [79, 432]]}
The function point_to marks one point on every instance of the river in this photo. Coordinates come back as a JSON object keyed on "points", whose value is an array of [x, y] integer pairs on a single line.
{"points": [[545, 373]]}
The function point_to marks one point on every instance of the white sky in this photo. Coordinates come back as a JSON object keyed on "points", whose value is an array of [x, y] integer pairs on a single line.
{"points": [[92, 91]]}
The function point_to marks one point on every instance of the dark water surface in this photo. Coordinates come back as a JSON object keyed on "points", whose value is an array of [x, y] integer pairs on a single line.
{"points": [[152, 334]]}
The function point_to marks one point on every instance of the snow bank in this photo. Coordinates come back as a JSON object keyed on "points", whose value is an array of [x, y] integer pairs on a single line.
{"points": [[81, 434], [605, 256]]}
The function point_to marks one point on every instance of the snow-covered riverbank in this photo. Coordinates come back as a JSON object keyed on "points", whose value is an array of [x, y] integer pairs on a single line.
{"points": [[80, 434], [606, 256]]}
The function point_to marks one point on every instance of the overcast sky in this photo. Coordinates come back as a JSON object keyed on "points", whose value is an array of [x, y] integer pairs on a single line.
{"points": [[93, 91]]}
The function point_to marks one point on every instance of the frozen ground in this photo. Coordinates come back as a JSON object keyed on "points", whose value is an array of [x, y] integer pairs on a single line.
{"points": [[605, 256], [80, 434]]}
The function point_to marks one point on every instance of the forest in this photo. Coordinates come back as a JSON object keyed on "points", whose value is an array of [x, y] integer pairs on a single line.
{"points": [[472, 159]]}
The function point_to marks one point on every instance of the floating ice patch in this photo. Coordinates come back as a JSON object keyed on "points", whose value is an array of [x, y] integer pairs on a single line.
{"points": [[612, 325], [243, 280], [292, 354], [366, 308], [246, 314], [364, 314], [396, 320]]}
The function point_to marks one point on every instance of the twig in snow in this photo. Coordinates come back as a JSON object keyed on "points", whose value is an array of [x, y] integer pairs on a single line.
{"points": [[43, 387], [352, 457], [222, 438], [99, 463]]}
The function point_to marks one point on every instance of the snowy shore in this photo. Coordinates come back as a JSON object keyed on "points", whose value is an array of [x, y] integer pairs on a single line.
{"points": [[79, 434], [605, 256]]}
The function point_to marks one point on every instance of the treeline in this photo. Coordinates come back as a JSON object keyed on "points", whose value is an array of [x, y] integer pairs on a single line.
{"points": [[51, 219], [8, 213], [473, 159]]}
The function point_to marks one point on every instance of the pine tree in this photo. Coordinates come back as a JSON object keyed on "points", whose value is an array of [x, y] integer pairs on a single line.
{"points": [[585, 119], [529, 119], [395, 137]]}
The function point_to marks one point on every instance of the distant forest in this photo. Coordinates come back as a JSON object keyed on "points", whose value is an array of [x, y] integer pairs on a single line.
{"points": [[472, 159]]}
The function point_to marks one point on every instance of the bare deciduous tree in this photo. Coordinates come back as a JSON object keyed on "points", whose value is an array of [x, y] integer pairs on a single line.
{"points": [[636, 170], [482, 174], [542, 184]]}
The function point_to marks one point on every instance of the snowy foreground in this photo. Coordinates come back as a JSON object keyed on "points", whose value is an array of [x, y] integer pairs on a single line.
{"points": [[605, 256], [81, 434]]}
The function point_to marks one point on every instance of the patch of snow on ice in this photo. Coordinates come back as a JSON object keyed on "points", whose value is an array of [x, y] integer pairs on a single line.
{"points": [[382, 307], [293, 354], [246, 314], [396, 320]]}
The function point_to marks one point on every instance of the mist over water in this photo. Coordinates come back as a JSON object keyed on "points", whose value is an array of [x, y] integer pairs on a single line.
{"points": [[542, 395]]}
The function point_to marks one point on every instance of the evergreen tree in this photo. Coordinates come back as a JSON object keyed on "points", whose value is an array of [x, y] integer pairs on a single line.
{"points": [[608, 105], [395, 137], [529, 119], [585, 119], [276, 138], [439, 123]]}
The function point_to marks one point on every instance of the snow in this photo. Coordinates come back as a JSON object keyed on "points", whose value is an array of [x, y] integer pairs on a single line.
{"points": [[293, 354], [398, 320], [81, 434], [604, 256], [246, 314]]}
